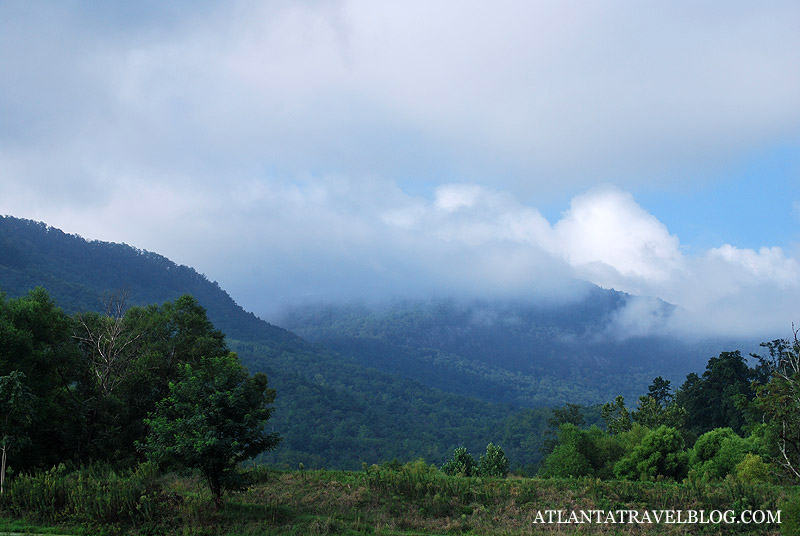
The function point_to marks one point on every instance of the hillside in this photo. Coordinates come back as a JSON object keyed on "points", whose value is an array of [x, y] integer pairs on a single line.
{"points": [[519, 352], [330, 410], [368, 384]]}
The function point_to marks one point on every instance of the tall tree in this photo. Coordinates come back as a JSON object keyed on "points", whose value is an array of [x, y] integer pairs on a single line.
{"points": [[212, 420], [616, 416], [568, 413], [36, 341], [717, 398], [779, 401], [16, 408]]}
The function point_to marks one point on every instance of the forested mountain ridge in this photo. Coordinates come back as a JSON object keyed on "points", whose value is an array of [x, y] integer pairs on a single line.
{"points": [[403, 380], [330, 411], [521, 352], [80, 273]]}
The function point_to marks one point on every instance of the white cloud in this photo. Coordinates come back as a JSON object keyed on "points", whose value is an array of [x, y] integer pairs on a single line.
{"points": [[766, 263], [607, 229], [272, 144]]}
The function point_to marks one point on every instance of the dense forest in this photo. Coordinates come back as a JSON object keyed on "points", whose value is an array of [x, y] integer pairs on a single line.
{"points": [[528, 353]]}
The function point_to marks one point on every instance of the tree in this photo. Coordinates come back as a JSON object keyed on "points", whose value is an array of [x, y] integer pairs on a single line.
{"points": [[36, 341], [718, 398], [16, 406], [716, 453], [617, 416], [568, 413], [212, 420], [570, 457], [109, 344], [494, 463], [661, 453], [660, 391], [590, 452], [652, 414], [779, 401], [462, 463], [129, 357]]}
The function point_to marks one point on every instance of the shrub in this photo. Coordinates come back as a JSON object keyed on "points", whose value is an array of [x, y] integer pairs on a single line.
{"points": [[753, 469], [717, 453], [660, 454]]}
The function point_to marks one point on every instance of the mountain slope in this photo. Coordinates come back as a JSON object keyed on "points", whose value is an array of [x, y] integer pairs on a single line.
{"points": [[330, 410], [519, 352]]}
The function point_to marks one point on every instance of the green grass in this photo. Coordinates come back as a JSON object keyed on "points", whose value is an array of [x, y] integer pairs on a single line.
{"points": [[414, 500]]}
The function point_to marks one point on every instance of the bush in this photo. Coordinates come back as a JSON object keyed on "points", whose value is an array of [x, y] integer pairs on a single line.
{"points": [[717, 453], [660, 454], [580, 453], [753, 469]]}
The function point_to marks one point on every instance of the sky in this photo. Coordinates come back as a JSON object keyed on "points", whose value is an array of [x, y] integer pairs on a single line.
{"points": [[335, 150]]}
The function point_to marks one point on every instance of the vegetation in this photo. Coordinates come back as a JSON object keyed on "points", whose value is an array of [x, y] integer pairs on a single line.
{"points": [[527, 353], [412, 498], [212, 420], [332, 410], [99, 407]]}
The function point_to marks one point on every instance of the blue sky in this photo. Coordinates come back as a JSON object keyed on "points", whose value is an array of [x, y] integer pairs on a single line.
{"points": [[355, 149]]}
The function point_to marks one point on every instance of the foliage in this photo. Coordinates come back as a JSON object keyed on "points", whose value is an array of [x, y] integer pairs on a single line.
{"points": [[581, 453], [616, 416], [461, 464], [411, 499], [717, 453], [658, 407], [212, 420], [569, 413], [790, 508], [570, 458], [778, 400], [717, 399], [660, 454], [16, 406], [494, 463], [753, 469], [96, 494]]}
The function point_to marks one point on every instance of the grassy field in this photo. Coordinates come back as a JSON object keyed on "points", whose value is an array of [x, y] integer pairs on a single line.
{"points": [[412, 500]]}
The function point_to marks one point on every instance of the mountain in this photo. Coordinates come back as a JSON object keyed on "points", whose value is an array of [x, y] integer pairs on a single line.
{"points": [[522, 352], [330, 410], [400, 380]]}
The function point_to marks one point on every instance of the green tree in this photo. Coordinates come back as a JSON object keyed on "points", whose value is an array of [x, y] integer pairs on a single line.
{"points": [[36, 340], [129, 357], [716, 453], [579, 452], [212, 420], [660, 391], [570, 457], [718, 398], [16, 407], [568, 413], [494, 463], [616, 416], [779, 402], [461, 464], [661, 453], [652, 414]]}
